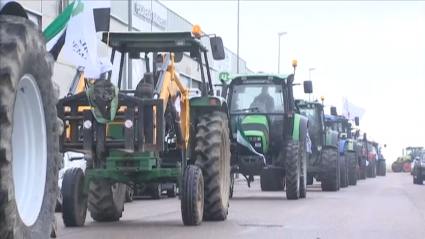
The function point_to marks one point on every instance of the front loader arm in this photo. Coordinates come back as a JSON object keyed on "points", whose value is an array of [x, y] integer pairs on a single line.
{"points": [[171, 86]]}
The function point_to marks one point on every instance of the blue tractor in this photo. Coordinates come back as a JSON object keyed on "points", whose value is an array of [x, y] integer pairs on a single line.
{"points": [[349, 149]]}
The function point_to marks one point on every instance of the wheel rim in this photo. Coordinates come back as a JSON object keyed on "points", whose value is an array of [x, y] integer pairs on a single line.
{"points": [[200, 197], [30, 154], [407, 167]]}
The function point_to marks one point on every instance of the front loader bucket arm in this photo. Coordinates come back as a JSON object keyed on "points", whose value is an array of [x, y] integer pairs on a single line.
{"points": [[168, 87]]}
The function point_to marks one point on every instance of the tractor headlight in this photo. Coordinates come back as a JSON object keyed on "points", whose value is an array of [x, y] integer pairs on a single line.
{"points": [[257, 145], [259, 139]]}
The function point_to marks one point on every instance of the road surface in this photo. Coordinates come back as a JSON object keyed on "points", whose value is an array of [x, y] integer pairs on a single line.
{"points": [[384, 207]]}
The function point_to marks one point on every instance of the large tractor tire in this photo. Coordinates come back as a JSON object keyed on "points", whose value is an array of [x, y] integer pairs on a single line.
{"points": [[362, 169], [343, 167], [74, 207], [213, 157], [352, 168], [192, 196], [232, 184], [329, 170], [303, 165], [294, 172], [396, 167], [129, 194], [106, 200], [407, 167], [155, 190], [271, 180], [371, 169], [382, 168], [29, 130]]}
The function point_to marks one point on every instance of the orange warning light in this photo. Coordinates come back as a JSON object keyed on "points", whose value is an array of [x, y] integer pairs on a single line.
{"points": [[196, 30], [322, 97], [294, 63]]}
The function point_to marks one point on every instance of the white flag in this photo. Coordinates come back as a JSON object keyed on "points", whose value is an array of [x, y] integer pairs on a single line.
{"points": [[80, 46], [349, 110]]}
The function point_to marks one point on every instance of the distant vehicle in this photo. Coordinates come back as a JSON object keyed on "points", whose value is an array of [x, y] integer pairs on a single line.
{"points": [[418, 171]]}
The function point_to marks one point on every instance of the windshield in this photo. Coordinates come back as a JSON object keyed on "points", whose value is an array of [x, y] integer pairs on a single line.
{"points": [[409, 151], [266, 98], [337, 127]]}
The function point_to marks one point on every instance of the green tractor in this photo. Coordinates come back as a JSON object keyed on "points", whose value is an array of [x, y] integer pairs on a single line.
{"points": [[404, 163], [269, 135], [348, 148], [323, 162], [136, 138]]}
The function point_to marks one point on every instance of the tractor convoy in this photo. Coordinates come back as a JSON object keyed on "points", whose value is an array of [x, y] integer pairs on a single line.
{"points": [[101, 146]]}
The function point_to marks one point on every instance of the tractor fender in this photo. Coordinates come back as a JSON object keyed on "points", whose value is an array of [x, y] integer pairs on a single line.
{"points": [[300, 127], [331, 138], [215, 102], [13, 8], [342, 146], [350, 145], [359, 149]]}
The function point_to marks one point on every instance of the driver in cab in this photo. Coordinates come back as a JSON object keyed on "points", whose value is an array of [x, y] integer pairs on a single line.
{"points": [[265, 98]]}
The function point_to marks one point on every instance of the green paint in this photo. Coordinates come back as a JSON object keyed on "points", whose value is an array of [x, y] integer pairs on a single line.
{"points": [[206, 101], [296, 128], [224, 76], [78, 9], [328, 138], [350, 145], [261, 120]]}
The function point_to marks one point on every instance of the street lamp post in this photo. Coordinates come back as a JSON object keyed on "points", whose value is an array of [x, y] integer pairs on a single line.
{"points": [[309, 78], [278, 60]]}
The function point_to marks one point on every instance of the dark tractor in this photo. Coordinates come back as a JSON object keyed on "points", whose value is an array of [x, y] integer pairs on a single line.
{"points": [[269, 134], [381, 166], [323, 162], [418, 171], [348, 148]]}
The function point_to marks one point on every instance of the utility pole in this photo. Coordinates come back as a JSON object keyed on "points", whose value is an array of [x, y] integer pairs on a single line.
{"points": [[129, 81], [278, 60]]}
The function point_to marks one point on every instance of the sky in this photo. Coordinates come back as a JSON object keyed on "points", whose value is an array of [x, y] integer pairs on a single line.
{"points": [[373, 53]]}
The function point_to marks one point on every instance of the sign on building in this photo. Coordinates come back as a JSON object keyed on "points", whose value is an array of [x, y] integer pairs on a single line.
{"points": [[151, 12]]}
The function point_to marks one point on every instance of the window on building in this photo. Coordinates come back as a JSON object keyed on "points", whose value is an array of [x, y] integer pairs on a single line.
{"points": [[196, 84], [184, 79], [36, 18]]}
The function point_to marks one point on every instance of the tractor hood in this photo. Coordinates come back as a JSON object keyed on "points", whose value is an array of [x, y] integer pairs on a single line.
{"points": [[256, 129]]}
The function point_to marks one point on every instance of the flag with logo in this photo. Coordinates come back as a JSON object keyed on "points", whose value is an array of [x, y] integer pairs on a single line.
{"points": [[243, 140], [349, 110], [74, 32]]}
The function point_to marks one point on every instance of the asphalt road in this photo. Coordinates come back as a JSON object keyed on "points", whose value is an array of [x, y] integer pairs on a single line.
{"points": [[388, 207]]}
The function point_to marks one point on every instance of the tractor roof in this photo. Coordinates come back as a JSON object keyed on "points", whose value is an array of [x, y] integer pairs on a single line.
{"points": [[301, 102], [335, 118], [257, 76], [153, 42]]}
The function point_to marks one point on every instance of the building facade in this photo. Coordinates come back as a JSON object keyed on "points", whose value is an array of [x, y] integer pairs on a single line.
{"points": [[134, 15]]}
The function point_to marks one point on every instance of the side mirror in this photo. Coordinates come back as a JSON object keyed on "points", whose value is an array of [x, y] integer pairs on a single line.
{"points": [[385, 145], [134, 55], [178, 57], [308, 87], [217, 48], [357, 121], [333, 111]]}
